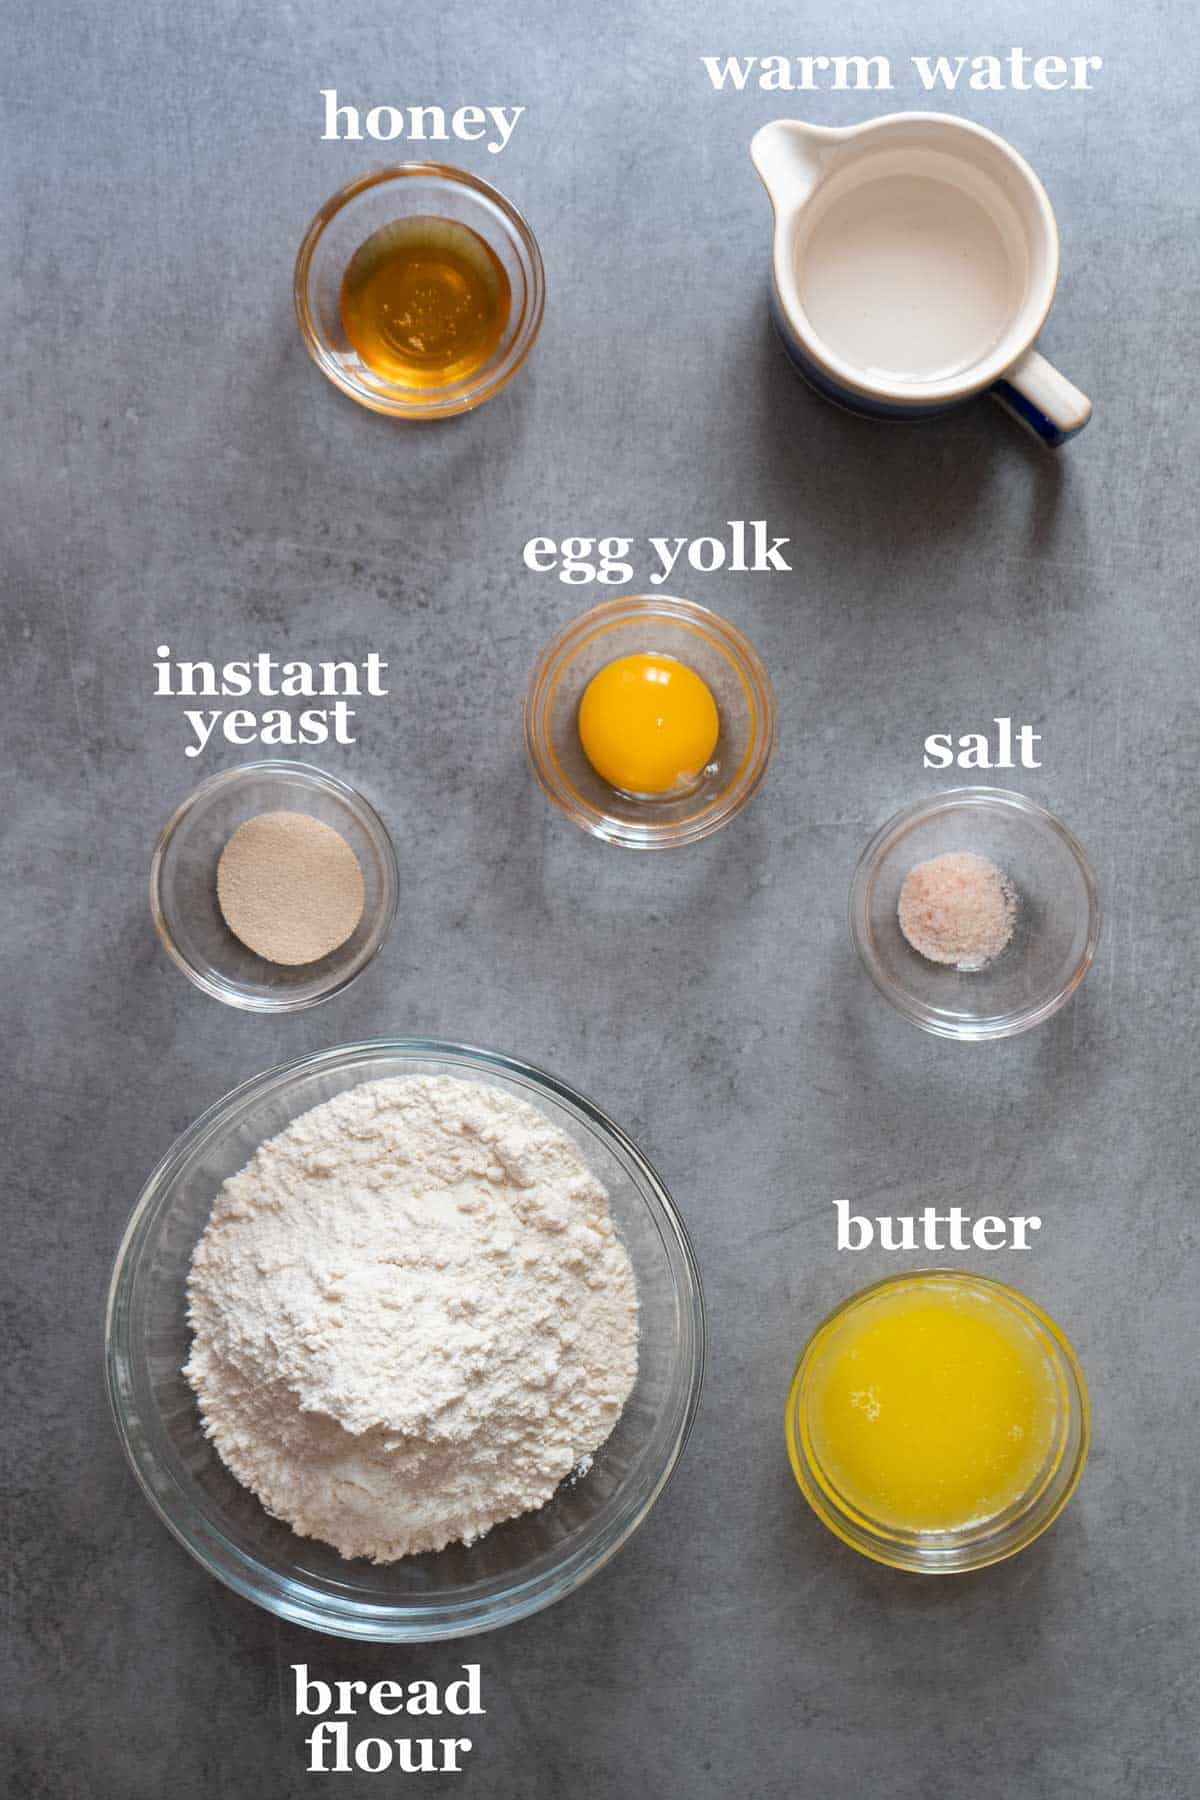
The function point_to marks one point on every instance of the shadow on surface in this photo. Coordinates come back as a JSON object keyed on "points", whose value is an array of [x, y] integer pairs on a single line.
{"points": [[906, 487]]}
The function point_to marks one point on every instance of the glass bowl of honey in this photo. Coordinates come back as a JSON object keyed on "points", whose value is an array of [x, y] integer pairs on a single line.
{"points": [[650, 721], [938, 1421], [419, 290]]}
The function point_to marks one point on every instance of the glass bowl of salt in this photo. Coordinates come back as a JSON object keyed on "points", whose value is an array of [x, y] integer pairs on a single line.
{"points": [[975, 912]]}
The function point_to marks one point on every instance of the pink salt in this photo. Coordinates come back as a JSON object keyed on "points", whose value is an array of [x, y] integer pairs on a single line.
{"points": [[958, 909]]}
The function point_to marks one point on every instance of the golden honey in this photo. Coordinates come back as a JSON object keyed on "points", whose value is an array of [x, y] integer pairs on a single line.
{"points": [[425, 302]]}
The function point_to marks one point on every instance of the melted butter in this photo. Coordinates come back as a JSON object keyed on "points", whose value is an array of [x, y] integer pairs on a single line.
{"points": [[932, 1406]]}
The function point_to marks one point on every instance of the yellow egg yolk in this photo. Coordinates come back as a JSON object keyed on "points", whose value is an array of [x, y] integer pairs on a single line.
{"points": [[931, 1406], [648, 724]]}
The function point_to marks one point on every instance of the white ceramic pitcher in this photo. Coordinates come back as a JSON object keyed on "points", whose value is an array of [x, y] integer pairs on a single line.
{"points": [[914, 261]]}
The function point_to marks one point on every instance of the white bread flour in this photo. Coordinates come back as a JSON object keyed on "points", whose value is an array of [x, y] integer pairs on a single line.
{"points": [[412, 1316]]}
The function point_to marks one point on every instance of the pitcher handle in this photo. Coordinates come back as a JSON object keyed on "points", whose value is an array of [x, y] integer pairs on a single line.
{"points": [[1042, 400]]}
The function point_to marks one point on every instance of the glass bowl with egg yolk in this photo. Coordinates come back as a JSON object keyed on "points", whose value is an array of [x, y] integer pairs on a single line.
{"points": [[938, 1421], [650, 721]]}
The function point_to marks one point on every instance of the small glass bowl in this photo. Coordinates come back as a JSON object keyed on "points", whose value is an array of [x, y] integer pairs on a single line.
{"points": [[1057, 924], [516, 1568], [183, 885], [658, 625], [973, 1546], [378, 199]]}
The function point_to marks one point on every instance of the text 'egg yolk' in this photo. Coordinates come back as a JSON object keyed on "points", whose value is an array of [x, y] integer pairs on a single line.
{"points": [[648, 724]]}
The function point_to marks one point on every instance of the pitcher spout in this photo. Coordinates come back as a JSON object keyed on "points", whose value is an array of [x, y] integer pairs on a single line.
{"points": [[790, 157]]}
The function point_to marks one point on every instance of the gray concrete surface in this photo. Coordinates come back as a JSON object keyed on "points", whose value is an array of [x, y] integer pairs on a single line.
{"points": [[176, 470]]}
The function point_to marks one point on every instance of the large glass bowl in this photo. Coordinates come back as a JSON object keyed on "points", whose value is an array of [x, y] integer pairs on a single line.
{"points": [[518, 1567]]}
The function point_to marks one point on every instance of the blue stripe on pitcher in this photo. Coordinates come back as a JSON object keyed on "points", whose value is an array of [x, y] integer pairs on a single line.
{"points": [[1032, 417], [849, 398]]}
